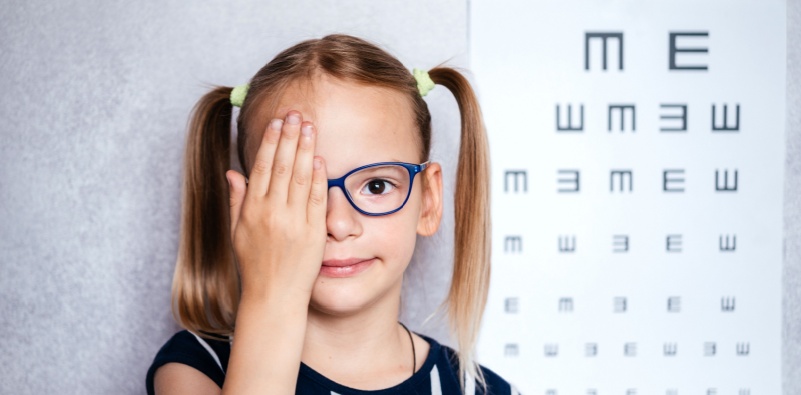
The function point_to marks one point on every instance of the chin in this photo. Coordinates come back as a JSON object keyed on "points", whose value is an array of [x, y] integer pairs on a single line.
{"points": [[349, 296]]}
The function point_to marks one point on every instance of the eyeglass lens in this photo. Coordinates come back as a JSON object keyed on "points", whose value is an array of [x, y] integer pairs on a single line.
{"points": [[378, 189]]}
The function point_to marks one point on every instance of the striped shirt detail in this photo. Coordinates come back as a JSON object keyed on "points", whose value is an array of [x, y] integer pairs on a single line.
{"points": [[469, 384], [208, 348], [436, 384]]}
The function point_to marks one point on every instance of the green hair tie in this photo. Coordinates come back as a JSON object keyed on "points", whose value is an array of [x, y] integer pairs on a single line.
{"points": [[238, 94], [424, 83]]}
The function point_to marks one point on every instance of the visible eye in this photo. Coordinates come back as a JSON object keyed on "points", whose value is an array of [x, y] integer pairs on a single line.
{"points": [[378, 187]]}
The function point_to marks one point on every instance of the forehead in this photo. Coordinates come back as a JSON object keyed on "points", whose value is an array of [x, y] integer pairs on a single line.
{"points": [[356, 124]]}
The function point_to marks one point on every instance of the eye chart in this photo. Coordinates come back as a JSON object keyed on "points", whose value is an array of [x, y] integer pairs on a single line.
{"points": [[637, 164]]}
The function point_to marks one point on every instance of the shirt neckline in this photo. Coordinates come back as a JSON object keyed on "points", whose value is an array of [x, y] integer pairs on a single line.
{"points": [[401, 388]]}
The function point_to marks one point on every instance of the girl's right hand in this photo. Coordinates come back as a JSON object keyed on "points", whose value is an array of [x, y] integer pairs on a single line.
{"points": [[278, 228]]}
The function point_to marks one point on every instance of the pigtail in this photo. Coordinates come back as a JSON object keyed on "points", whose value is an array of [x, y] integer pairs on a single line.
{"points": [[205, 289], [471, 268]]}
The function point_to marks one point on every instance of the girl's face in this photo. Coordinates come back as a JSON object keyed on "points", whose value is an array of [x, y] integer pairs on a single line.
{"points": [[358, 125]]}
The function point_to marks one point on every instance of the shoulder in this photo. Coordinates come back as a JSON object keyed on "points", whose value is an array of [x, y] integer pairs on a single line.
{"points": [[448, 362], [209, 357]]}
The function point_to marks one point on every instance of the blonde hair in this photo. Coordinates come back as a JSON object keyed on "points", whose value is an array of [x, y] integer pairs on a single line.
{"points": [[206, 287]]}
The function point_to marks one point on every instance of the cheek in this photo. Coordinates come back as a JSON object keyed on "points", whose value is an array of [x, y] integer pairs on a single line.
{"points": [[398, 234]]}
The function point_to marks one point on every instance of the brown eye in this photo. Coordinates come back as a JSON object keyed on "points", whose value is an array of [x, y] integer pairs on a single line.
{"points": [[378, 187]]}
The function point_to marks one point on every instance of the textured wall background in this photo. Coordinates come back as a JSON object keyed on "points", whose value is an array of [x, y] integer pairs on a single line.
{"points": [[94, 101]]}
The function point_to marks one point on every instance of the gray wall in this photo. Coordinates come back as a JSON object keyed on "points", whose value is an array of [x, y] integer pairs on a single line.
{"points": [[93, 108]]}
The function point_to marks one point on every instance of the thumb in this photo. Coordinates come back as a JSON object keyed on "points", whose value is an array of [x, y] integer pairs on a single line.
{"points": [[236, 195]]}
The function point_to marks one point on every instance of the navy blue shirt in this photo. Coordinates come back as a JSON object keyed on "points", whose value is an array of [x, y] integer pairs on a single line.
{"points": [[437, 376]]}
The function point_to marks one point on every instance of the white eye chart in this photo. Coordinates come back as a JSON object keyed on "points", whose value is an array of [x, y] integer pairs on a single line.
{"points": [[637, 177]]}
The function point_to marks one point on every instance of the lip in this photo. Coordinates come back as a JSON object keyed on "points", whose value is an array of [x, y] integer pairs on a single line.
{"points": [[345, 267]]}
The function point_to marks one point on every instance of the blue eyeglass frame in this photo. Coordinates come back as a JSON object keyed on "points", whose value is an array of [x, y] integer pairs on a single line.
{"points": [[410, 167]]}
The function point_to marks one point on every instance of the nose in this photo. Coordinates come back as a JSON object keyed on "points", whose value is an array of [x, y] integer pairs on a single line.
{"points": [[341, 219]]}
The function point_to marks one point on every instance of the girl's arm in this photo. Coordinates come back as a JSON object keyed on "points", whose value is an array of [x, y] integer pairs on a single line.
{"points": [[177, 378], [278, 234]]}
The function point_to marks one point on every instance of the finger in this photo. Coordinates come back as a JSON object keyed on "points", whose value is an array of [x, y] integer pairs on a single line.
{"points": [[260, 173], [285, 158], [318, 195], [300, 185], [236, 195]]}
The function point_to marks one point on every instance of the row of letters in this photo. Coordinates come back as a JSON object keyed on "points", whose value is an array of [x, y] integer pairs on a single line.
{"points": [[629, 349], [620, 180], [674, 118], [620, 304], [669, 391], [673, 51], [513, 244]]}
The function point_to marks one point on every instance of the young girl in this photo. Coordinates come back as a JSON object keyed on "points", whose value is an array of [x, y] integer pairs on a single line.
{"points": [[288, 277]]}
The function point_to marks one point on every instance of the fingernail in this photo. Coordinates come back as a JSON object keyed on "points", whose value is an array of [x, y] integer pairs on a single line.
{"points": [[293, 119], [317, 163], [276, 124], [306, 130]]}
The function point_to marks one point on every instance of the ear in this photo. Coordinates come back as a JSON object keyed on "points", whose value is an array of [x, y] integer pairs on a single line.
{"points": [[431, 211]]}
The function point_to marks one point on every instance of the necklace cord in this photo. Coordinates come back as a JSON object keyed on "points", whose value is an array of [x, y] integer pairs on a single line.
{"points": [[414, 355]]}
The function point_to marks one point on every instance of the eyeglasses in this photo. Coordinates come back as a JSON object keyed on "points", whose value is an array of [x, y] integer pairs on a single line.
{"points": [[379, 188]]}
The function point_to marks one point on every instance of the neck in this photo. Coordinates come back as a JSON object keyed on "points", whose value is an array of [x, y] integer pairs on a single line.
{"points": [[366, 349]]}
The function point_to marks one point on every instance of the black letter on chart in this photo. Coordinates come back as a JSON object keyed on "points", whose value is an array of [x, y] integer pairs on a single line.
{"points": [[727, 303], [673, 243], [566, 304], [620, 243], [621, 304], [551, 349], [515, 174], [728, 244], [567, 244], [710, 349], [572, 181], [670, 349], [675, 50], [678, 179], [511, 305], [674, 304], [682, 117], [511, 350], [743, 349], [623, 176], [630, 349], [591, 349], [569, 126], [513, 244], [603, 36], [725, 126], [725, 187], [623, 109]]}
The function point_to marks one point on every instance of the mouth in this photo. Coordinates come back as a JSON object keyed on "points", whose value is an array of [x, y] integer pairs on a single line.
{"points": [[346, 267]]}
